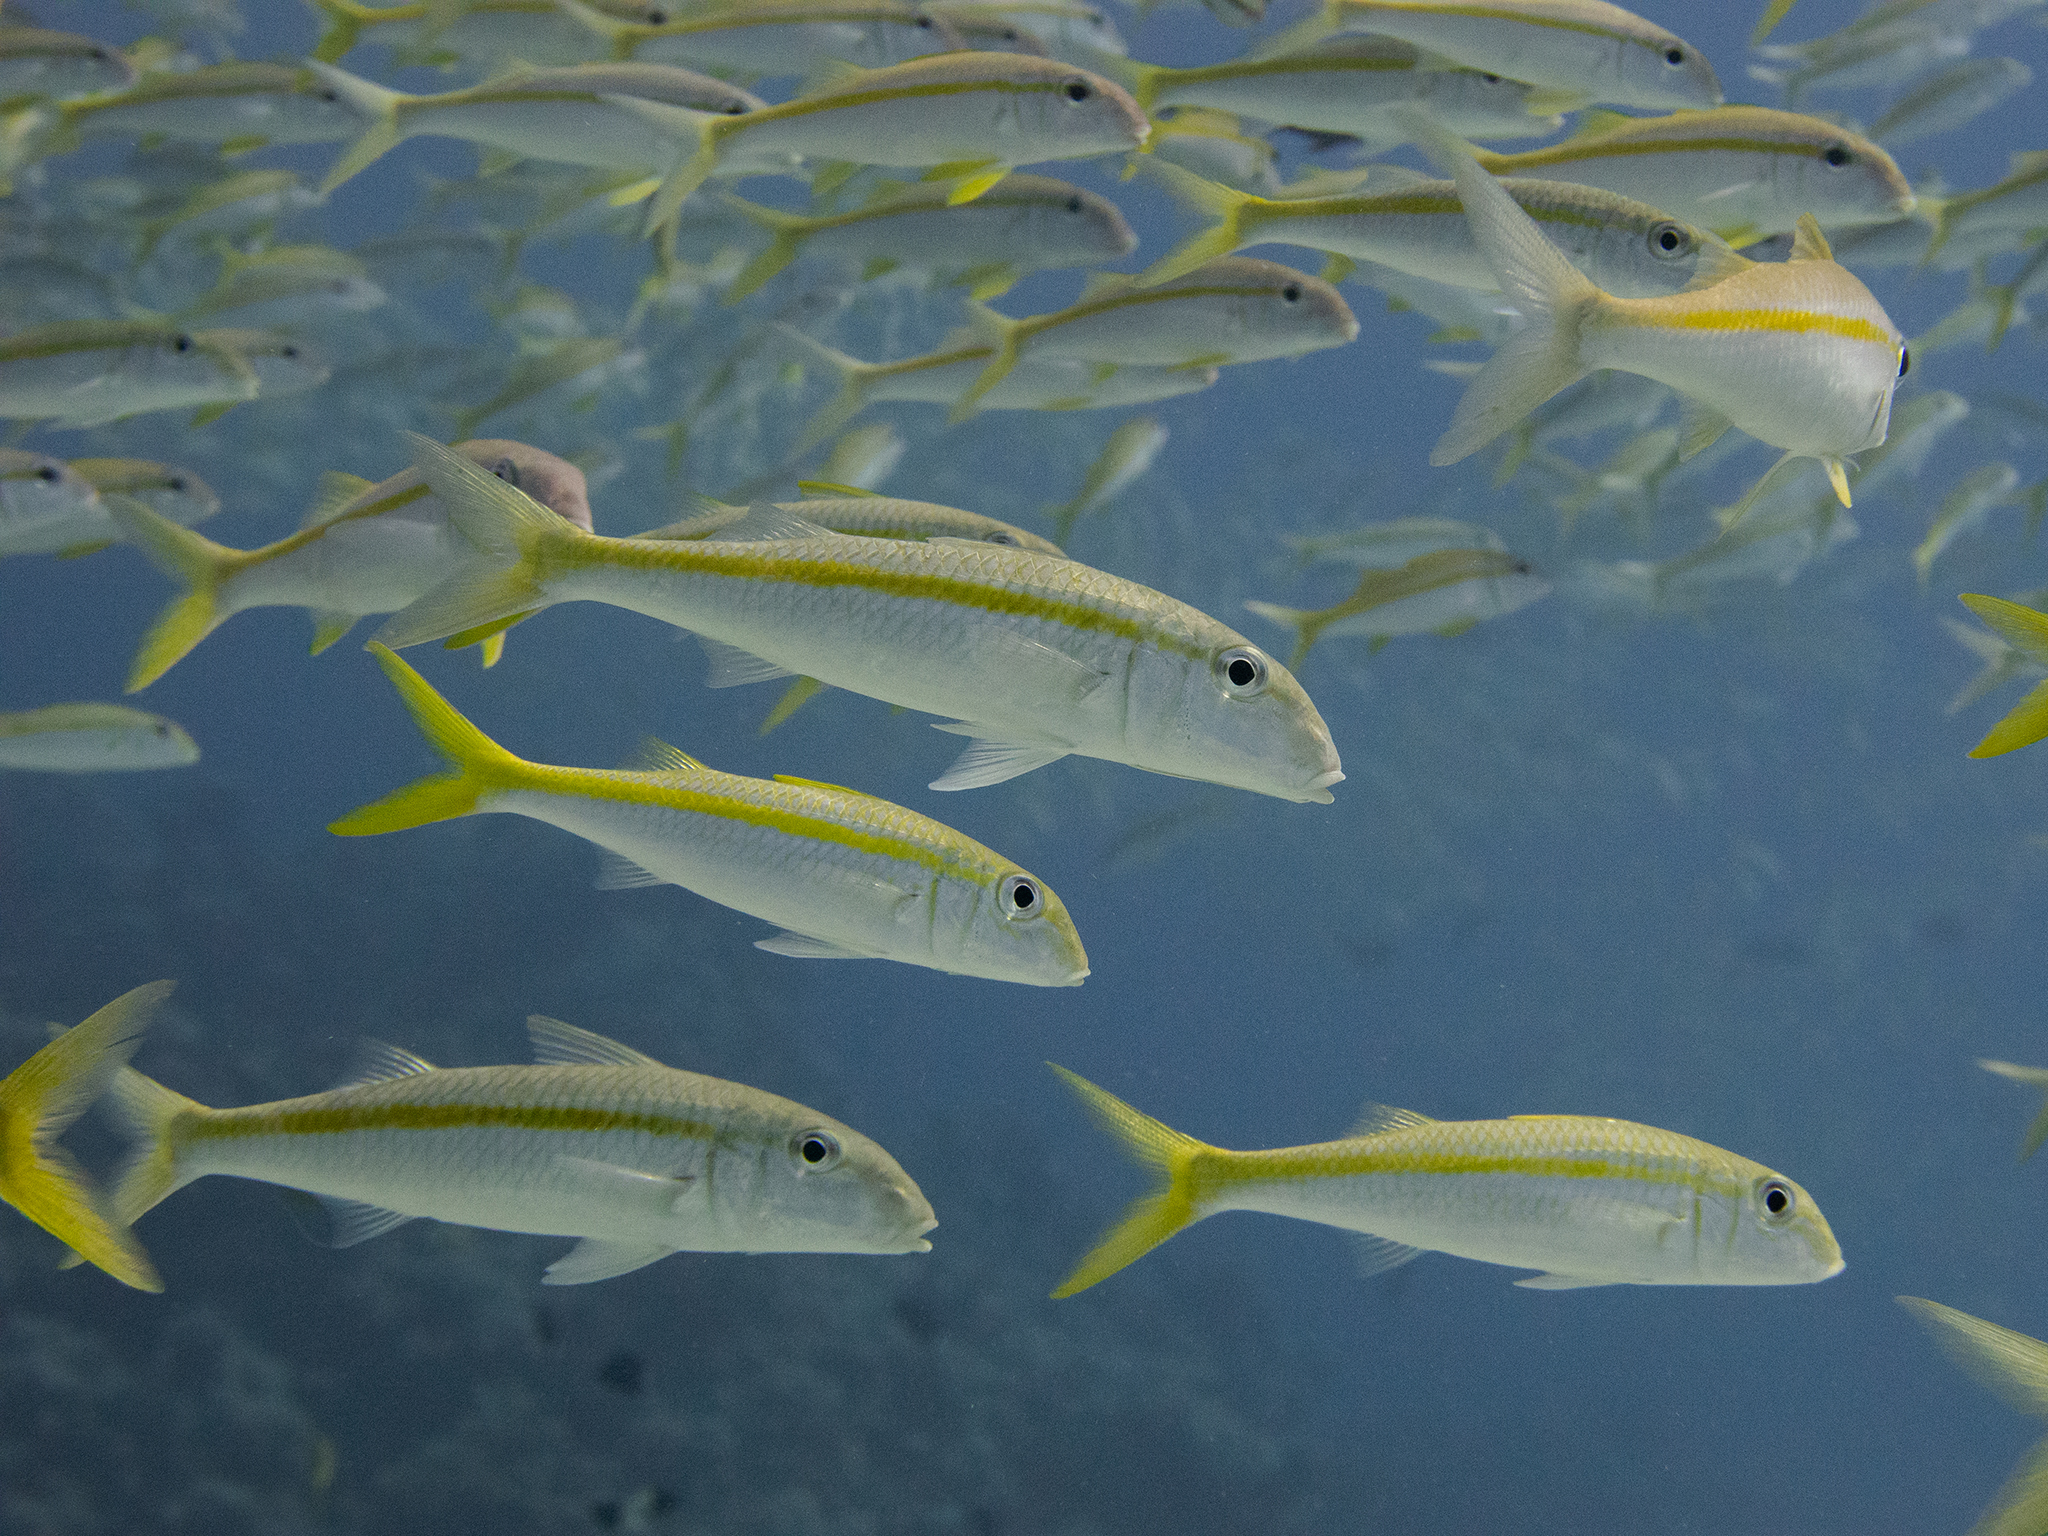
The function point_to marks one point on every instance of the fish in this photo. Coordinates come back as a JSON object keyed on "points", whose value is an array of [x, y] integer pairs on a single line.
{"points": [[2033, 1077], [47, 507], [1584, 1200], [85, 373], [966, 119], [237, 106], [166, 489], [1214, 146], [1067, 29], [1443, 592], [849, 510], [1951, 97], [2018, 201], [1387, 546], [941, 377], [2026, 631], [1130, 451], [1964, 510], [286, 285], [597, 1141], [478, 34], [2016, 1368], [843, 875], [247, 202], [864, 458], [37, 64], [1350, 85], [42, 1096], [1023, 224], [1579, 51], [1798, 354], [92, 738], [774, 37], [1627, 248], [1034, 658], [362, 549], [1235, 309], [1742, 172], [633, 117], [576, 368]]}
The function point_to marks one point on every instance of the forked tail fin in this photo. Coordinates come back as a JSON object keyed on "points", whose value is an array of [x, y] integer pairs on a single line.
{"points": [[184, 556], [477, 763], [1152, 1220]]}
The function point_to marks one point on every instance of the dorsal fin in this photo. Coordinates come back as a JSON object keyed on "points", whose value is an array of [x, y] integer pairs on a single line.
{"points": [[832, 75], [337, 490], [1376, 1119], [656, 756], [765, 521], [832, 489], [837, 789], [1100, 283], [378, 1061], [1718, 261], [559, 1044], [1808, 243]]}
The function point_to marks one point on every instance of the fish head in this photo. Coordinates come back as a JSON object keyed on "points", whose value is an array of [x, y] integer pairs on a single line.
{"points": [[1841, 178], [825, 1188], [1009, 925], [1073, 226], [1659, 69], [1477, 105], [1063, 111], [553, 482], [1221, 710], [282, 364], [1779, 1236], [1640, 253], [34, 486], [1273, 310]]}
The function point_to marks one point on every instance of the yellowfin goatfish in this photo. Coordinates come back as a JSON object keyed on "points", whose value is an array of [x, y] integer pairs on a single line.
{"points": [[1797, 354], [1627, 248], [1033, 657], [2016, 1368], [627, 117], [597, 1142], [1350, 85], [1743, 172], [39, 1099], [93, 738], [943, 376], [165, 489], [1963, 511], [237, 106], [773, 37], [47, 507], [478, 34], [363, 549], [36, 64], [286, 285], [1236, 309], [1580, 51], [2026, 630], [86, 373], [2017, 202], [1442, 592], [845, 875], [1587, 1201], [866, 515], [1068, 29], [1023, 224], [1951, 98], [967, 118], [250, 201], [1212, 146]]}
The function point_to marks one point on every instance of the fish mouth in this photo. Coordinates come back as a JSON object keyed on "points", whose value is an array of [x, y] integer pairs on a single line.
{"points": [[1319, 786]]}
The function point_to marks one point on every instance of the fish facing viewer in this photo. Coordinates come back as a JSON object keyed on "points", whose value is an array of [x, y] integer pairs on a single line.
{"points": [[45, 1094], [1587, 1201], [596, 1142], [2016, 1368], [1798, 354], [845, 875], [1034, 658]]}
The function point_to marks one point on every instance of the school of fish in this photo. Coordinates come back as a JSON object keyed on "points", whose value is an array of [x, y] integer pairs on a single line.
{"points": [[1688, 273]]}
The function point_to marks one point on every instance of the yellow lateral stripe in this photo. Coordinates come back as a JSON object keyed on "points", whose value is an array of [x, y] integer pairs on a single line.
{"points": [[264, 1120], [1285, 64], [1595, 149], [805, 106], [1799, 321], [597, 551], [1329, 1161], [1502, 13], [625, 786]]}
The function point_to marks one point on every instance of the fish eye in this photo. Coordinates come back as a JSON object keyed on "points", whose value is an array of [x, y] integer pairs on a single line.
{"points": [[1905, 361], [181, 344], [287, 350], [1291, 293], [176, 482], [1077, 90], [161, 729], [734, 109], [1670, 239], [1674, 56], [657, 18], [1074, 203], [814, 1151], [924, 23], [47, 472], [1242, 671], [328, 93], [1019, 897], [97, 55], [1491, 79], [1774, 1197], [506, 471], [1837, 155], [1000, 537]]}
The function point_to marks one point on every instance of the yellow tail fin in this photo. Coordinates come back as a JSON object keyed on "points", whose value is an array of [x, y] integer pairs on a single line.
{"points": [[2035, 1077], [480, 764], [46, 1093], [1152, 1220], [184, 556], [1226, 205], [786, 233], [1007, 334]]}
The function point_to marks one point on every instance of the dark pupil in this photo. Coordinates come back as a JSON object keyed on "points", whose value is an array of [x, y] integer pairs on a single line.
{"points": [[1775, 1202], [1290, 293], [815, 1151], [1000, 538], [1023, 896], [657, 18], [1674, 55], [176, 482], [1077, 91], [46, 473], [735, 108], [1491, 79], [1905, 361], [288, 351], [1242, 673], [182, 344], [1836, 155], [1073, 205], [925, 22], [1667, 239], [506, 471]]}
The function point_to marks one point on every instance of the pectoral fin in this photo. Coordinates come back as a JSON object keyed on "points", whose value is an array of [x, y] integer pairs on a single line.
{"points": [[336, 1223], [731, 667], [801, 946], [990, 761], [594, 1259]]}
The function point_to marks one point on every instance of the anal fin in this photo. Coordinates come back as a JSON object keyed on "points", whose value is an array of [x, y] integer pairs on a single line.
{"points": [[333, 1222], [801, 946], [597, 1259]]}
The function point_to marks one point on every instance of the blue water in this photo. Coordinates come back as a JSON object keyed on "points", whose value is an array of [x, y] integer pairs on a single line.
{"points": [[1727, 872]]}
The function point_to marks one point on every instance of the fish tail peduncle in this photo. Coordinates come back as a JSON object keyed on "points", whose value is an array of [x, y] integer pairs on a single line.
{"points": [[1153, 1219], [846, 404], [477, 763], [342, 27], [186, 557], [376, 104], [45, 1094], [1224, 204], [692, 166]]}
